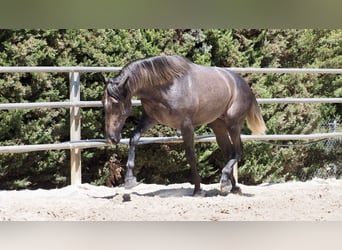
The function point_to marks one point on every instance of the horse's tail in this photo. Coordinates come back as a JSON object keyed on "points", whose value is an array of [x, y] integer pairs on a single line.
{"points": [[255, 122]]}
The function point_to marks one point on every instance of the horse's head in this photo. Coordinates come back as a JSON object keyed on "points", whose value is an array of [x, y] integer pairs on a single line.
{"points": [[117, 105]]}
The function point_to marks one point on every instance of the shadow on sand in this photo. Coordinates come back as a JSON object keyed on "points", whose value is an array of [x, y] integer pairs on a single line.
{"points": [[186, 192], [173, 192]]}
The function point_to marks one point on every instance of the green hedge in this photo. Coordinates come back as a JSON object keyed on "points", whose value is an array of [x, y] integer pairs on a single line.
{"points": [[166, 163]]}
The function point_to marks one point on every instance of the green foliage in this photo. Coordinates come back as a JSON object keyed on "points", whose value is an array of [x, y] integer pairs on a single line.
{"points": [[165, 163]]}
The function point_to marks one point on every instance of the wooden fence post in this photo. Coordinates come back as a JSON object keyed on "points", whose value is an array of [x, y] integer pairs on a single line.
{"points": [[75, 128]]}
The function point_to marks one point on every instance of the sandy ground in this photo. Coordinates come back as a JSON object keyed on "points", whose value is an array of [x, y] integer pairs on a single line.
{"points": [[318, 199]]}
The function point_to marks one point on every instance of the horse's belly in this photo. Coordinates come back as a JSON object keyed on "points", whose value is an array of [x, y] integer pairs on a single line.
{"points": [[175, 119], [162, 114], [198, 112], [207, 116], [211, 107]]}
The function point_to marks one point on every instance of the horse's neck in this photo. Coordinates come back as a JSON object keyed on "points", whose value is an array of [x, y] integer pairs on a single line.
{"points": [[147, 93], [152, 95]]}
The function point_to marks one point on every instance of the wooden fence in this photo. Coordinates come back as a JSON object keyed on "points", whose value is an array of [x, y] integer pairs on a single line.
{"points": [[76, 144]]}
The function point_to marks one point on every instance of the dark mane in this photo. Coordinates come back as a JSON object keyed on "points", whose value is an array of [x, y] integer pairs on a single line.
{"points": [[153, 71]]}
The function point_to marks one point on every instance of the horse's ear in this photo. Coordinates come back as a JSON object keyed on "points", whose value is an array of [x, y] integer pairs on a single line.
{"points": [[113, 91], [123, 81], [122, 86], [104, 79]]}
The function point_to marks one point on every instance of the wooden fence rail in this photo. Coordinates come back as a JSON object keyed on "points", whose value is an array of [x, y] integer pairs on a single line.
{"points": [[74, 104]]}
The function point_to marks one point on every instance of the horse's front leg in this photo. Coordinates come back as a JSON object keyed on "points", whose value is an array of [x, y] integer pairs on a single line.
{"points": [[144, 124], [187, 131]]}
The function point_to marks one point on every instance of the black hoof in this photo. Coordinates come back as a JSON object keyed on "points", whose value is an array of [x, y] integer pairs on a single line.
{"points": [[131, 183], [236, 190]]}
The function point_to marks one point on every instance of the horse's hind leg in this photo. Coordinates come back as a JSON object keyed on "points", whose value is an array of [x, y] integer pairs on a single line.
{"points": [[234, 134], [222, 138], [220, 129]]}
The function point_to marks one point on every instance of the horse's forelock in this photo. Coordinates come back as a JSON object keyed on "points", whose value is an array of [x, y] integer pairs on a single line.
{"points": [[115, 86], [113, 91]]}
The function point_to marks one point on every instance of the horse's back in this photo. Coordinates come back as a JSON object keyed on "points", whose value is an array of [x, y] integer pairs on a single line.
{"points": [[221, 91], [211, 92], [219, 83]]}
